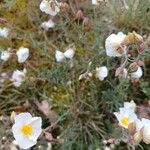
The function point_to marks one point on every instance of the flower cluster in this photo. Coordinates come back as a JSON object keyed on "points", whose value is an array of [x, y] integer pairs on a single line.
{"points": [[51, 8], [138, 128], [118, 45], [22, 55], [123, 46], [69, 54]]}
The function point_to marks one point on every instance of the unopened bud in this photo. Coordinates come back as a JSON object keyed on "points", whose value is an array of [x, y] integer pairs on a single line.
{"points": [[132, 128], [133, 38], [12, 116], [137, 137], [111, 141], [64, 6], [87, 24], [118, 71], [143, 47], [140, 63], [79, 14], [133, 67]]}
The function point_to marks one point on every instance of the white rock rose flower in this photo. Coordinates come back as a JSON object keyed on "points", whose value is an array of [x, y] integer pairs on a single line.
{"points": [[94, 2], [18, 77], [137, 74], [49, 7], [130, 105], [4, 32], [26, 130], [59, 56], [101, 73], [113, 45], [48, 24], [139, 125], [146, 130], [69, 53], [22, 54], [125, 117], [5, 55]]}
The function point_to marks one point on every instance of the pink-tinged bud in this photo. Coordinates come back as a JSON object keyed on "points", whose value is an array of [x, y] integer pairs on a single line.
{"points": [[140, 63], [118, 71], [111, 141], [143, 47], [64, 6], [79, 14], [87, 24], [122, 72], [133, 67]]}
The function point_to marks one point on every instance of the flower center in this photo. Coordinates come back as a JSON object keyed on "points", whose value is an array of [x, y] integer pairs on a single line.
{"points": [[116, 45], [118, 48], [125, 121], [27, 129]]}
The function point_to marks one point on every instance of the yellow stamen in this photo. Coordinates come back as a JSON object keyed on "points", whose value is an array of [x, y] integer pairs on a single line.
{"points": [[115, 45], [27, 129], [125, 121]]}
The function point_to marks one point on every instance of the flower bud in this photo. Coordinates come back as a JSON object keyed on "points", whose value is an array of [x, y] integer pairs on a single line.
{"points": [[12, 116], [143, 46], [137, 137], [133, 38], [79, 14], [140, 63], [64, 6], [132, 128], [122, 72], [133, 67], [87, 24]]}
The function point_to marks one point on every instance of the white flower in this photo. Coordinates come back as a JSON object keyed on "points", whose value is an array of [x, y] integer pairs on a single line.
{"points": [[26, 130], [137, 74], [48, 24], [94, 2], [49, 7], [125, 117], [18, 77], [101, 72], [69, 53], [59, 56], [22, 54], [107, 148], [113, 45], [146, 130], [4, 32], [139, 125], [5, 55], [130, 105]]}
